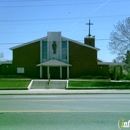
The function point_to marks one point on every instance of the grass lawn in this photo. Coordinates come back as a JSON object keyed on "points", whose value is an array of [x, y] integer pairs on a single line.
{"points": [[98, 85], [14, 84]]}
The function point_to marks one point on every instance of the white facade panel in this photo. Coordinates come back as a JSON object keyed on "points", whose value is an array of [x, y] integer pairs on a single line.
{"points": [[54, 37]]}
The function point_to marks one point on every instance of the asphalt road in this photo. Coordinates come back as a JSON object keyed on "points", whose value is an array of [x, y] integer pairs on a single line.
{"points": [[63, 112]]}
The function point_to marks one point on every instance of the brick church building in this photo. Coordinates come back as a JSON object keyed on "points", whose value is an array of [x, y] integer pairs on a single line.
{"points": [[56, 57]]}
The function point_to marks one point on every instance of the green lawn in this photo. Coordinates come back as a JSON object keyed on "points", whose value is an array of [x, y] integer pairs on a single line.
{"points": [[6, 84], [98, 85], [14, 84]]}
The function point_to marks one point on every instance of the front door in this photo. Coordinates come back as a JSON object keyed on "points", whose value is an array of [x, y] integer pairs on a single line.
{"points": [[55, 72]]}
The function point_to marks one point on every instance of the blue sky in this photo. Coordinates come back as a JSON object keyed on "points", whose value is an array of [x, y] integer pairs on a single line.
{"points": [[22, 21]]}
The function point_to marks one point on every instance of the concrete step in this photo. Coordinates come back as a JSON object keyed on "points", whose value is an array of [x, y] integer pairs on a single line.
{"points": [[53, 84]]}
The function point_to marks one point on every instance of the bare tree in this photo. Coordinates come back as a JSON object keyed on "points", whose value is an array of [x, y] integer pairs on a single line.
{"points": [[120, 39]]}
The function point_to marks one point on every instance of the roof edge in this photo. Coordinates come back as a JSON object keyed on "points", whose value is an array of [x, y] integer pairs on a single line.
{"points": [[111, 63], [5, 62], [57, 63], [80, 43], [27, 43]]}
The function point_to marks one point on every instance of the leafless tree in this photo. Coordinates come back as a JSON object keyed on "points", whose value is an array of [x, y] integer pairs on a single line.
{"points": [[120, 39]]}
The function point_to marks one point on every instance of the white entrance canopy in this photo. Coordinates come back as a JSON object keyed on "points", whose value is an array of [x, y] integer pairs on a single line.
{"points": [[111, 63], [53, 63]]}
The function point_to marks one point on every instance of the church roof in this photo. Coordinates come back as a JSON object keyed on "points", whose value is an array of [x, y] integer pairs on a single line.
{"points": [[64, 38], [53, 63], [80, 43], [27, 43], [5, 62]]}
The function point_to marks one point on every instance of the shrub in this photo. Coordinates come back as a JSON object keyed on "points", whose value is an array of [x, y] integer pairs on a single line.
{"points": [[3, 76], [101, 77], [127, 77], [12, 76], [94, 77], [87, 77]]}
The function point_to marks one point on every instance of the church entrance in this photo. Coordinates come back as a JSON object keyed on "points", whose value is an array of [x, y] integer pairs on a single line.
{"points": [[54, 72]]}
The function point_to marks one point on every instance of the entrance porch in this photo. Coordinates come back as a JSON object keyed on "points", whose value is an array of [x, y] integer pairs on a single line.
{"points": [[54, 69]]}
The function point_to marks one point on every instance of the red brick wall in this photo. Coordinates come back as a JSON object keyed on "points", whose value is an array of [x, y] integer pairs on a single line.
{"points": [[27, 56], [84, 61]]}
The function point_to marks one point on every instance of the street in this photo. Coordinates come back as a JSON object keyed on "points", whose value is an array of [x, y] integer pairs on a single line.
{"points": [[63, 112]]}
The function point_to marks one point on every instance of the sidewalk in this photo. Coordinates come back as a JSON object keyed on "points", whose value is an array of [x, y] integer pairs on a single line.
{"points": [[61, 91]]}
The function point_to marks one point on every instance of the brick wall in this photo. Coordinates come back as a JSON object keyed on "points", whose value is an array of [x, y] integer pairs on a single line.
{"points": [[28, 57], [84, 62]]}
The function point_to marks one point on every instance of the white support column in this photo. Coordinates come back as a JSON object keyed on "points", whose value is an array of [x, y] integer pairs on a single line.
{"points": [[67, 72], [40, 71], [60, 72], [48, 73]]}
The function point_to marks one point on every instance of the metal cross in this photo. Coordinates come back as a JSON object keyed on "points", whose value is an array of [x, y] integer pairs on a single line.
{"points": [[89, 27]]}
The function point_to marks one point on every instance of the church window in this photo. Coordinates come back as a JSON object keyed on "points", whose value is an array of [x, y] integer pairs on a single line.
{"points": [[44, 49], [64, 49]]}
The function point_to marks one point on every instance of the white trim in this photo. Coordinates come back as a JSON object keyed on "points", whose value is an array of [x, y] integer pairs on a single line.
{"points": [[67, 83], [82, 44], [29, 86], [111, 63], [54, 63], [27, 43], [5, 62], [46, 37]]}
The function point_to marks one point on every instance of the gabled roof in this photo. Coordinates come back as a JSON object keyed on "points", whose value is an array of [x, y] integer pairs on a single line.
{"points": [[80, 43], [53, 63], [64, 38], [27, 43], [5, 62]]}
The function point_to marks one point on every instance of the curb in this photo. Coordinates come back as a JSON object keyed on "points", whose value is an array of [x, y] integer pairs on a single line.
{"points": [[58, 92]]}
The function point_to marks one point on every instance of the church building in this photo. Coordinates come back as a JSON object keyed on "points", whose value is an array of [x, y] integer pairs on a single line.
{"points": [[56, 57]]}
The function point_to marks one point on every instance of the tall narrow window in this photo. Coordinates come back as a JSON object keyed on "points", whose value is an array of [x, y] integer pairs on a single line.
{"points": [[64, 49], [44, 49]]}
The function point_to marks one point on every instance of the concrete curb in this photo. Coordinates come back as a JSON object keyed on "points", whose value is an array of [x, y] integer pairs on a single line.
{"points": [[58, 91]]}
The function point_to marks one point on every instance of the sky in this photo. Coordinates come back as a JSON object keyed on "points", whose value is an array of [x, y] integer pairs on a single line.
{"points": [[22, 21]]}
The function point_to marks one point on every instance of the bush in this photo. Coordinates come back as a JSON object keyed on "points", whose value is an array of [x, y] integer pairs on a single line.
{"points": [[87, 77], [127, 77], [94, 77], [2, 76], [12, 76], [101, 77]]}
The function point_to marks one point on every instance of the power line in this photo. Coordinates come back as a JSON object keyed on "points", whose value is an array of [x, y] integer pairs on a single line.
{"points": [[54, 19], [66, 4], [22, 0], [55, 4]]}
